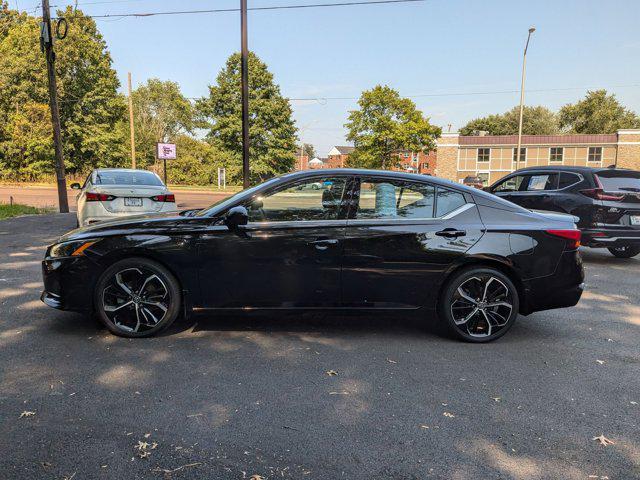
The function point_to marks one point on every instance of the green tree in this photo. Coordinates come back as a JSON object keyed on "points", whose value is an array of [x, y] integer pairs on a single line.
{"points": [[598, 112], [272, 131], [198, 162], [161, 113], [91, 110], [535, 121], [386, 123]]}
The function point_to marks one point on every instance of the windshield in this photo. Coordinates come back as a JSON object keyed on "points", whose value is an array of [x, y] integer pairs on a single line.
{"points": [[127, 178], [617, 183], [225, 202]]}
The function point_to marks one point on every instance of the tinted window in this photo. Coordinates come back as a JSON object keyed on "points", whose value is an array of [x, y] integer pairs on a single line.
{"points": [[568, 179], [448, 201], [613, 183], [127, 178], [544, 181], [317, 199], [510, 184], [383, 198]]}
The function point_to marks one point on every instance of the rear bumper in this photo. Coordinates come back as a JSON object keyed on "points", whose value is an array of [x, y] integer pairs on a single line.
{"points": [[619, 237], [561, 289]]}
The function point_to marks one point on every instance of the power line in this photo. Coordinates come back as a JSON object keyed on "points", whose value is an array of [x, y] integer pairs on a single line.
{"points": [[273, 7]]}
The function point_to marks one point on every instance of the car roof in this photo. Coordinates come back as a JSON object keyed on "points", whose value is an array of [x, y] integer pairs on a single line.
{"points": [[570, 168], [123, 170]]}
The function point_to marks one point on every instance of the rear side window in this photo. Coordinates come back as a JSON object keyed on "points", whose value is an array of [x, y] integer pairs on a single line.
{"points": [[567, 179], [619, 183], [447, 201], [388, 199], [128, 178], [544, 181]]}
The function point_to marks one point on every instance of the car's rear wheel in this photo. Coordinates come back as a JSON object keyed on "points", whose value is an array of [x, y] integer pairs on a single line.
{"points": [[137, 297], [479, 304], [624, 252]]}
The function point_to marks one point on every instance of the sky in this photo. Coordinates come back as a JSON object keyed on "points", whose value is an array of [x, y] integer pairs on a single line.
{"points": [[449, 56]]}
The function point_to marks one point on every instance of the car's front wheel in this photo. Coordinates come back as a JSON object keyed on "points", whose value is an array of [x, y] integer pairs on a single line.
{"points": [[624, 252], [479, 304], [137, 297]]}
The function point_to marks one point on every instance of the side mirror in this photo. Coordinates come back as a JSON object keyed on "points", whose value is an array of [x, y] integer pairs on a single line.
{"points": [[236, 217], [75, 186]]}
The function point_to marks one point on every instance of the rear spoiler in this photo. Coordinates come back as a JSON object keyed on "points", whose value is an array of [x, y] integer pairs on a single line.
{"points": [[557, 216]]}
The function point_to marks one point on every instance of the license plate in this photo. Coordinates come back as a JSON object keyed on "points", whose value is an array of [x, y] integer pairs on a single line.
{"points": [[132, 202], [634, 219]]}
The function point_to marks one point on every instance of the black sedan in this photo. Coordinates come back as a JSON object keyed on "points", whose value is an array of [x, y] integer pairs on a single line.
{"points": [[363, 240]]}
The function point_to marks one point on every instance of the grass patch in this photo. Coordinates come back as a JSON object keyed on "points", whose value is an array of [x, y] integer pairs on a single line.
{"points": [[8, 211]]}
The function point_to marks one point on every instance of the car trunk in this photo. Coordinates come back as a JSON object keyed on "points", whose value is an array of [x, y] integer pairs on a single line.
{"points": [[620, 198], [131, 199]]}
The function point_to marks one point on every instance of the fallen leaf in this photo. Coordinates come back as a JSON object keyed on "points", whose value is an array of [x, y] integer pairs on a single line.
{"points": [[450, 415], [26, 414], [339, 393], [147, 435], [256, 477], [141, 445], [424, 426], [601, 362], [496, 399], [633, 403], [603, 440], [332, 373], [154, 445], [391, 361], [143, 454]]}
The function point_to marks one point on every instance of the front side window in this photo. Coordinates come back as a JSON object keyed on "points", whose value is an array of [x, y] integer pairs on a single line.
{"points": [[317, 199], [484, 154], [595, 154], [545, 181], [389, 199], [511, 184], [556, 154]]}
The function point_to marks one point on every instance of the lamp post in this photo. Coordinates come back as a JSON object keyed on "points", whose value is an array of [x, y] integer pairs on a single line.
{"points": [[524, 70], [244, 68]]}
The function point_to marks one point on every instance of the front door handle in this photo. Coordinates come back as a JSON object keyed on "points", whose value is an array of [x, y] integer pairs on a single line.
{"points": [[451, 233], [324, 243]]}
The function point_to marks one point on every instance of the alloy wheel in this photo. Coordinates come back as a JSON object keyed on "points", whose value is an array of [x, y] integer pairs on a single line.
{"points": [[135, 300], [482, 305]]}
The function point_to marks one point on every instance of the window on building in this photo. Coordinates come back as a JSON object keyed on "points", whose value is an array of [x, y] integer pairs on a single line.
{"points": [[595, 154], [523, 154], [484, 154], [556, 154], [389, 199]]}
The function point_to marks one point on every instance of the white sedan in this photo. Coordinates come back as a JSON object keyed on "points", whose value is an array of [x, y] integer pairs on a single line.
{"points": [[110, 193]]}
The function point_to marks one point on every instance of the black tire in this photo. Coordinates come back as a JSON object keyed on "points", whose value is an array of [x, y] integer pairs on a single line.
{"points": [[137, 297], [484, 319], [624, 252]]}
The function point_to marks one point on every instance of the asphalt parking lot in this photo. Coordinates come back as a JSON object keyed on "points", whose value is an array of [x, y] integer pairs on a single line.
{"points": [[240, 397]]}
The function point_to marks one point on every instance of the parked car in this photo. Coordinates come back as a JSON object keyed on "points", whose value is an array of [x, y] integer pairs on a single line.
{"points": [[606, 201], [110, 193], [376, 241]]}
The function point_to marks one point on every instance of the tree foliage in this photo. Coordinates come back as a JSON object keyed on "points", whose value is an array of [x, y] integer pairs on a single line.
{"points": [[386, 123], [272, 132], [91, 110], [161, 114], [598, 112], [535, 121]]}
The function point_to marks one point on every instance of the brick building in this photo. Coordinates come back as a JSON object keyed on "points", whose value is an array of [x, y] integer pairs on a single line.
{"points": [[492, 157], [338, 155]]}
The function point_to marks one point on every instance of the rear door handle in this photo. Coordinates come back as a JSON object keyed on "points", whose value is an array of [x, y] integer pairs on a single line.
{"points": [[451, 233], [324, 243]]}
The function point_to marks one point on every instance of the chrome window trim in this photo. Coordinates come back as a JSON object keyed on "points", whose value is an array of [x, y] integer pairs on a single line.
{"points": [[387, 221]]}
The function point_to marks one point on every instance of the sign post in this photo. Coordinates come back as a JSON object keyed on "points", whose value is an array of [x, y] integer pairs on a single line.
{"points": [[164, 152]]}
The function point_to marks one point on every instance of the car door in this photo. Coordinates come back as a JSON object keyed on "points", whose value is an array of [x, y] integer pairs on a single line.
{"points": [[401, 236], [287, 256]]}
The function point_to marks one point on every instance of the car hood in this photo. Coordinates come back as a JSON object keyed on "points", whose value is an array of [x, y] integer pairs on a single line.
{"points": [[134, 223]]}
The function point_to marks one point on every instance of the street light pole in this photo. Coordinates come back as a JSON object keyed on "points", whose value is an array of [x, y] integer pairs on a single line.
{"points": [[524, 70], [244, 73]]}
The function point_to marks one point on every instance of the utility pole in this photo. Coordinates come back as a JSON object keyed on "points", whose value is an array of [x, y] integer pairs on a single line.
{"points": [[46, 36], [524, 70], [131, 128], [244, 72]]}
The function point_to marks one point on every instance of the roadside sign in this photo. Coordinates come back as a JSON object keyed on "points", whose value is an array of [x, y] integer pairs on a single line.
{"points": [[166, 151]]}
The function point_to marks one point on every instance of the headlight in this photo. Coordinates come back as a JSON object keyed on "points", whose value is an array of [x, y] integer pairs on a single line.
{"points": [[73, 248]]}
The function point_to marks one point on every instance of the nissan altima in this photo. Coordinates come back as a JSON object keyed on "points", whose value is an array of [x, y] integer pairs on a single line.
{"points": [[361, 241]]}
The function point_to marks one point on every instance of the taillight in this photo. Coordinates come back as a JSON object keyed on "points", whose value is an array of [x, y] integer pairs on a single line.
{"points": [[99, 197], [170, 197], [599, 194], [572, 235]]}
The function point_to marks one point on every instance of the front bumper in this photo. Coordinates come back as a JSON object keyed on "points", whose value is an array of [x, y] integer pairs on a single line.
{"points": [[68, 283], [613, 237]]}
